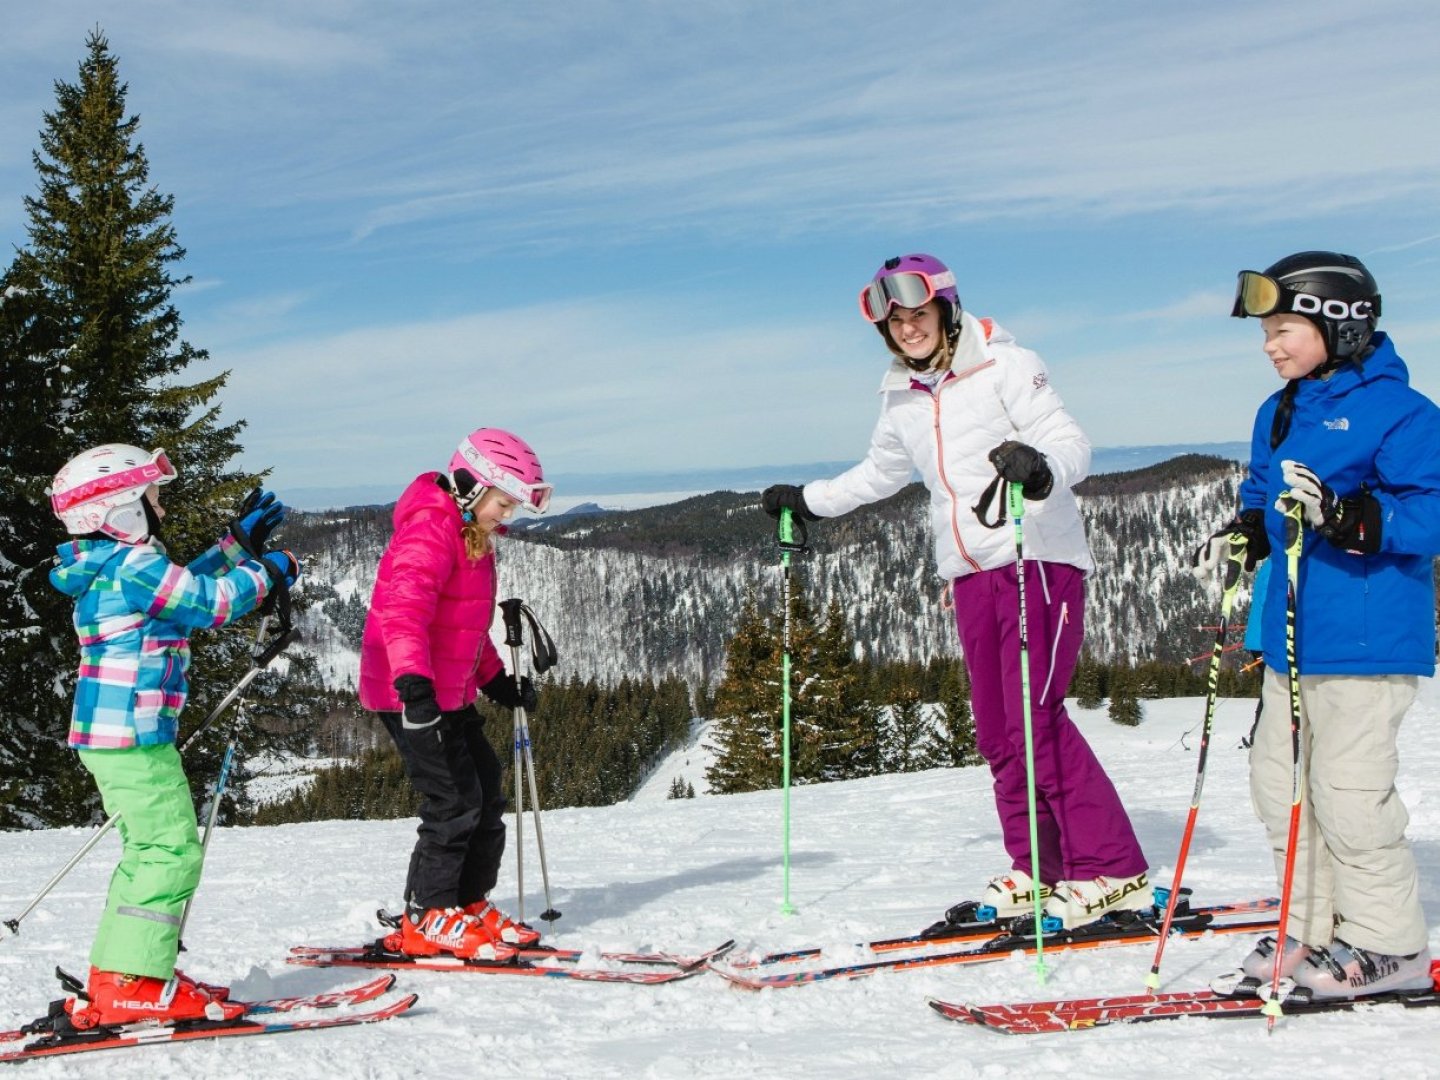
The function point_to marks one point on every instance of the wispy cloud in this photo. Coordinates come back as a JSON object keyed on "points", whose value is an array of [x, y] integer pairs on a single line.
{"points": [[634, 228]]}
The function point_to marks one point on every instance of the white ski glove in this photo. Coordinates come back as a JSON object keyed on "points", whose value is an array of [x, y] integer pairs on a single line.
{"points": [[1317, 501], [1352, 523], [1210, 555]]}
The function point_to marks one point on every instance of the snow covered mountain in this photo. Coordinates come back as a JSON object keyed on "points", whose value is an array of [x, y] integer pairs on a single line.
{"points": [[658, 591], [870, 858]]}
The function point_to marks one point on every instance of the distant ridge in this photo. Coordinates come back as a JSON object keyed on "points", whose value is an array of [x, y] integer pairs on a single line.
{"points": [[1104, 459]]}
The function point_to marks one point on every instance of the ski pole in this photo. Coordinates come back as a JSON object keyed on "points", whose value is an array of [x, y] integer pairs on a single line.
{"points": [[1293, 541], [542, 658], [212, 815], [1016, 500], [260, 657], [518, 774], [1234, 564], [789, 545]]}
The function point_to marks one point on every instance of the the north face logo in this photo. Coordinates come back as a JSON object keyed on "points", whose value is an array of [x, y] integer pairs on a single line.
{"points": [[1340, 424]]}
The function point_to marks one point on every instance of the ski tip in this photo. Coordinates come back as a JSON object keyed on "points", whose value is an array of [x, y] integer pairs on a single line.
{"points": [[407, 1002]]}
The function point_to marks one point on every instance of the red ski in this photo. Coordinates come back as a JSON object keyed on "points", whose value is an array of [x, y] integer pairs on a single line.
{"points": [[532, 963], [1075, 1014], [22, 1045]]}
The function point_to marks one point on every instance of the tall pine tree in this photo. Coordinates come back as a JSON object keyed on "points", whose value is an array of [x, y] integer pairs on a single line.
{"points": [[90, 352], [953, 743], [747, 709], [831, 705]]}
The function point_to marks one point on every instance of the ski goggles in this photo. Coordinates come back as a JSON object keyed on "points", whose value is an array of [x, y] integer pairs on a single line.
{"points": [[534, 497], [157, 470], [908, 289], [1257, 295]]}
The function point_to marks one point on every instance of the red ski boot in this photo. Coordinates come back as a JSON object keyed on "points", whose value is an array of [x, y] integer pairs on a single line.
{"points": [[116, 998], [501, 926], [432, 931], [210, 990]]}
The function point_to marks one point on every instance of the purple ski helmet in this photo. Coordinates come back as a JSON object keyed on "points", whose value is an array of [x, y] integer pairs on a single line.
{"points": [[910, 281]]}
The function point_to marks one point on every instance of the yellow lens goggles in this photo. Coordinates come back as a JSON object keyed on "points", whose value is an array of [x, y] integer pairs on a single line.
{"points": [[1256, 295]]}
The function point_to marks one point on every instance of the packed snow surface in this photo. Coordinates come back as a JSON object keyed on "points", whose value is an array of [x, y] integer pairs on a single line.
{"points": [[869, 858]]}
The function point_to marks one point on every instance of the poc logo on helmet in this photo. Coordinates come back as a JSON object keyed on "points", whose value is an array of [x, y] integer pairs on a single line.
{"points": [[1305, 304]]}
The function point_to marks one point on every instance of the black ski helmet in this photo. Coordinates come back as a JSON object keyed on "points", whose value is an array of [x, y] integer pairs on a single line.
{"points": [[1334, 291]]}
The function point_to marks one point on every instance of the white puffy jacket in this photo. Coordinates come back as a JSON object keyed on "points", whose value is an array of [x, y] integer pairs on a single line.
{"points": [[996, 391]]}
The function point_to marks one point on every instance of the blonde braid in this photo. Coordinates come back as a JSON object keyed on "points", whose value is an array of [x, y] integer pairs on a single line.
{"points": [[478, 541]]}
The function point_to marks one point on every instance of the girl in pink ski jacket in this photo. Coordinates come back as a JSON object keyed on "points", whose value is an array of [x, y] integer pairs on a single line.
{"points": [[431, 611], [426, 654], [962, 402]]}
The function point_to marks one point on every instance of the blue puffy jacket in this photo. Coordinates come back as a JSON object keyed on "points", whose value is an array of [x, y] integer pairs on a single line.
{"points": [[1357, 614]]}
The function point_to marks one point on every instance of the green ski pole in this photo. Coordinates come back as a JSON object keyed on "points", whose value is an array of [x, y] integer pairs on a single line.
{"points": [[788, 545], [1016, 500]]}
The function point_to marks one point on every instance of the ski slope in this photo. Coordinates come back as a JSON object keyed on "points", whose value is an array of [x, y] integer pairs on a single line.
{"points": [[872, 857]]}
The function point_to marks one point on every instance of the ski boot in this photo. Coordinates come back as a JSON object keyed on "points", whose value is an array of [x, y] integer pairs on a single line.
{"points": [[433, 931], [1079, 903], [112, 997], [1006, 897], [1258, 968], [1348, 971], [500, 926]]}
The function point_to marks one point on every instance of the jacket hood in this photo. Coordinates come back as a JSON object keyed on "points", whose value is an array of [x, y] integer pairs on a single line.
{"points": [[425, 495], [79, 562], [1381, 365]]}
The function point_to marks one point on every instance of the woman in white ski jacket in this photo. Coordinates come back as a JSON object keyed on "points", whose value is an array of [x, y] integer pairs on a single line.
{"points": [[961, 402]]}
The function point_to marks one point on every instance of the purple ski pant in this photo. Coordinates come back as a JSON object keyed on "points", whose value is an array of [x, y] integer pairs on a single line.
{"points": [[1083, 829]]}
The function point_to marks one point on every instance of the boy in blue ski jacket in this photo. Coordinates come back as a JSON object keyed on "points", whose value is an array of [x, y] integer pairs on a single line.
{"points": [[1350, 442]]}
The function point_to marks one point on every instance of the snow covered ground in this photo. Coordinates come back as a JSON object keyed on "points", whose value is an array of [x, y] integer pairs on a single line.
{"points": [[872, 857]]}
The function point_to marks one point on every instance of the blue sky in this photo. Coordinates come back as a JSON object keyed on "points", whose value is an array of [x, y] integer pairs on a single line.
{"points": [[634, 232]]}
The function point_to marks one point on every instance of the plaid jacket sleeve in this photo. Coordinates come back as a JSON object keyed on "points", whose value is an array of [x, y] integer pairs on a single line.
{"points": [[221, 558], [156, 586]]}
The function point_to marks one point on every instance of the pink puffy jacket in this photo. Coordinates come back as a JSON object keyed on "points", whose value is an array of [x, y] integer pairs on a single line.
{"points": [[432, 607]]}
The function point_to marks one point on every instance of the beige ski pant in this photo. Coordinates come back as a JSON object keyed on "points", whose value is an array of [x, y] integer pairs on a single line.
{"points": [[1355, 876]]}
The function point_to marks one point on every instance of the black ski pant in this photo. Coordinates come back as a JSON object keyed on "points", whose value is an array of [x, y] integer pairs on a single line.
{"points": [[461, 838]]}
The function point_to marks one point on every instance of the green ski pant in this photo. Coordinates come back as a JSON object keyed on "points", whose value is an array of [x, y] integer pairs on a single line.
{"points": [[145, 787]]}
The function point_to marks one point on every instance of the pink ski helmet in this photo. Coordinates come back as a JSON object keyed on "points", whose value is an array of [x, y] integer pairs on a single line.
{"points": [[103, 490], [489, 457], [910, 281]]}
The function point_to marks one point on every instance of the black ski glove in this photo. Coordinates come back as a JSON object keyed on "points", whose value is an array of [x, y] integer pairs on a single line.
{"points": [[779, 497], [1351, 523], [259, 515], [1248, 523], [417, 694], [1024, 465], [501, 690]]}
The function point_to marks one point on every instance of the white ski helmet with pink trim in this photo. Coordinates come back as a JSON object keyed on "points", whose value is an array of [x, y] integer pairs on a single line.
{"points": [[489, 457], [103, 490]]}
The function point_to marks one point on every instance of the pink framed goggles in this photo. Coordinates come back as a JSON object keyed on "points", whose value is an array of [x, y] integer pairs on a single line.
{"points": [[535, 497], [157, 470], [908, 289]]}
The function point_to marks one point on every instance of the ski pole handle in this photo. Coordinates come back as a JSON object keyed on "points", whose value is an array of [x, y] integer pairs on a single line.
{"points": [[786, 529], [1015, 500], [543, 654]]}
